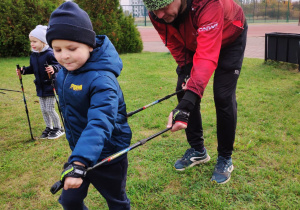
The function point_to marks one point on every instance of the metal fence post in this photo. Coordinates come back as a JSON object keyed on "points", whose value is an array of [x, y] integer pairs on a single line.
{"points": [[288, 12], [145, 14]]}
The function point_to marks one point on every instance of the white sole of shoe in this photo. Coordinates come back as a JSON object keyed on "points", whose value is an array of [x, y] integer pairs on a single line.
{"points": [[195, 163], [56, 137]]}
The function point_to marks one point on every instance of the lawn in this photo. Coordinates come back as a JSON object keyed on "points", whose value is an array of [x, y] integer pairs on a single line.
{"points": [[266, 154]]}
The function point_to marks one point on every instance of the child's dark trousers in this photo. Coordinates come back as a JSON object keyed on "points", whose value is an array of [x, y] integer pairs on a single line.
{"points": [[109, 180]]}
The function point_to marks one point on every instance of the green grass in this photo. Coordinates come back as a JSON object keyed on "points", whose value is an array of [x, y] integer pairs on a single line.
{"points": [[266, 155]]}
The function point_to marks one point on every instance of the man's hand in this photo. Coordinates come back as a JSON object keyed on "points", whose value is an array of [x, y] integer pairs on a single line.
{"points": [[184, 85], [178, 119]]}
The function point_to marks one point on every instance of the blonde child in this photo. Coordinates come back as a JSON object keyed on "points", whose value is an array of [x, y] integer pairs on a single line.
{"points": [[42, 54]]}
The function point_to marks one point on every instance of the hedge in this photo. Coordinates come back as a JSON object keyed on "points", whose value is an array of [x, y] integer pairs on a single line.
{"points": [[19, 17]]}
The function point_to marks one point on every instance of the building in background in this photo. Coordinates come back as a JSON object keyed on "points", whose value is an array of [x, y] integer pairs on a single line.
{"points": [[134, 7]]}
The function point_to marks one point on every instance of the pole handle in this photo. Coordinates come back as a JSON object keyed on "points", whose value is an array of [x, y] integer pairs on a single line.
{"points": [[56, 187], [19, 71], [153, 103], [46, 65]]}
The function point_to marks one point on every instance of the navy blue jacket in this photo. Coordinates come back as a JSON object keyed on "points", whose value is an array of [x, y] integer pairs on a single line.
{"points": [[37, 67], [93, 106]]}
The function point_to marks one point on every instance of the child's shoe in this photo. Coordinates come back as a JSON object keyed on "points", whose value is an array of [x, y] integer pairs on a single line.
{"points": [[45, 133], [55, 133]]}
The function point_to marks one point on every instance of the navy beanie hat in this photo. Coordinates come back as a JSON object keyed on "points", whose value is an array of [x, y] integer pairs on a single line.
{"points": [[70, 22]]}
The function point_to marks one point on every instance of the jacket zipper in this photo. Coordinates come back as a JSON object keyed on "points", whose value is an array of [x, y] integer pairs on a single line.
{"points": [[66, 121]]}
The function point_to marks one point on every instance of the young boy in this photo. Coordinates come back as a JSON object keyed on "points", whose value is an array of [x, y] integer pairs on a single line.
{"points": [[93, 107]]}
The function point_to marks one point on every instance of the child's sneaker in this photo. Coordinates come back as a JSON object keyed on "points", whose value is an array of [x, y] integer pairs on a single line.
{"points": [[55, 133], [45, 133], [191, 158], [222, 170]]}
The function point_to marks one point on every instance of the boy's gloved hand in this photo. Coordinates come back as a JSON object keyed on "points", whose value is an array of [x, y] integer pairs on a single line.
{"points": [[72, 175], [73, 170]]}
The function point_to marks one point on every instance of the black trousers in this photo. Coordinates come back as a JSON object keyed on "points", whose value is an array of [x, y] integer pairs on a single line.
{"points": [[224, 88], [109, 180]]}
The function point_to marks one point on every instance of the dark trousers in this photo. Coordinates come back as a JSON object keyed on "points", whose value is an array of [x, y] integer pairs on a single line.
{"points": [[109, 180], [224, 87]]}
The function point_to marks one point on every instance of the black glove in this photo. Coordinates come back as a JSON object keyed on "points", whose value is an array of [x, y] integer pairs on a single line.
{"points": [[180, 116], [73, 170]]}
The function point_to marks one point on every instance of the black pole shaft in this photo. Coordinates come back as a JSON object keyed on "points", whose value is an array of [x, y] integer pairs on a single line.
{"points": [[59, 185], [153, 103], [10, 90], [55, 96], [24, 99], [61, 116]]}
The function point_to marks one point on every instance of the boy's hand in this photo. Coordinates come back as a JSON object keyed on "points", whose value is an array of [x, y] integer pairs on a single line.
{"points": [[49, 69], [71, 182], [72, 175]]}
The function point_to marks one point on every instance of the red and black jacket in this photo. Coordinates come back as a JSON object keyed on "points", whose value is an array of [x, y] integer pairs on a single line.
{"points": [[197, 36]]}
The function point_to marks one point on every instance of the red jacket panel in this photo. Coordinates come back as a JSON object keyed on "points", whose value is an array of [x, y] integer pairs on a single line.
{"points": [[209, 26]]}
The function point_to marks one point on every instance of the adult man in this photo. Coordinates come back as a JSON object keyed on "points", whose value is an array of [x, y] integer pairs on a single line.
{"points": [[203, 36]]}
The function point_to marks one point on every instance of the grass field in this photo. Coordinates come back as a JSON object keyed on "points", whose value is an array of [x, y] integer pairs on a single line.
{"points": [[266, 155]]}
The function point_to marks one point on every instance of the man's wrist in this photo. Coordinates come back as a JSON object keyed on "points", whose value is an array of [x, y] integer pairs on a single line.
{"points": [[180, 116]]}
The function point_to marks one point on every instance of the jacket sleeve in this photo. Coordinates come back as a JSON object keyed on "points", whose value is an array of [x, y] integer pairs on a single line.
{"points": [[28, 69], [210, 23], [101, 118]]}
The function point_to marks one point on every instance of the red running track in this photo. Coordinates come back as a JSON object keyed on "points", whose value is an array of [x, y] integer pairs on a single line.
{"points": [[255, 41]]}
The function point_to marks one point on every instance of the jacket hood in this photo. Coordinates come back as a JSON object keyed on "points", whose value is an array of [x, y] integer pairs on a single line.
{"points": [[104, 57]]}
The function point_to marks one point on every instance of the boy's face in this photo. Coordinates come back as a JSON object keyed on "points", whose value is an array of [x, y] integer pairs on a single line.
{"points": [[36, 44], [71, 55]]}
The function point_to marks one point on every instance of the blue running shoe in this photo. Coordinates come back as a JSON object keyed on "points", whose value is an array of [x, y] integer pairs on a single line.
{"points": [[191, 158], [222, 170]]}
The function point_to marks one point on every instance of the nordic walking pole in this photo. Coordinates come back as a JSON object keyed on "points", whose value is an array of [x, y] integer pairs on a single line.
{"points": [[58, 185], [24, 99], [10, 90], [153, 103], [55, 95]]}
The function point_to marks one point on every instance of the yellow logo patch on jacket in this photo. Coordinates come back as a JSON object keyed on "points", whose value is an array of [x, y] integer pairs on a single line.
{"points": [[76, 87]]}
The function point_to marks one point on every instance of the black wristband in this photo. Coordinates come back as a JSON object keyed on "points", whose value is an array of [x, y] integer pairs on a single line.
{"points": [[179, 115], [73, 170], [188, 101], [185, 105], [191, 97]]}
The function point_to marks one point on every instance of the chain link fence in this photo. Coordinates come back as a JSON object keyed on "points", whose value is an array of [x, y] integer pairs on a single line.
{"points": [[256, 11]]}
